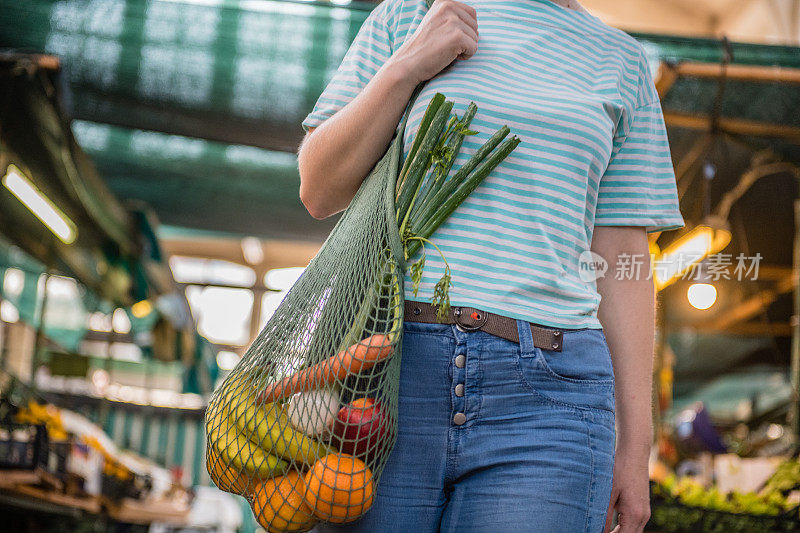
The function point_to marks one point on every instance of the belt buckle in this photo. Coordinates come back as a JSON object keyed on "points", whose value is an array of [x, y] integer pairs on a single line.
{"points": [[475, 314]]}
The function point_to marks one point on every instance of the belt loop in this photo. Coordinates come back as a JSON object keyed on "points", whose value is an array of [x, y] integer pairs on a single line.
{"points": [[525, 337]]}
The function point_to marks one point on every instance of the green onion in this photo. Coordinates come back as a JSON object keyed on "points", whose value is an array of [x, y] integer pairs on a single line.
{"points": [[423, 202], [430, 111], [421, 162], [444, 192], [448, 153], [465, 189]]}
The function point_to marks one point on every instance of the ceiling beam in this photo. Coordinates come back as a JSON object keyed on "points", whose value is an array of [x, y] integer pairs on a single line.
{"points": [[277, 253], [735, 126], [756, 73], [773, 329], [666, 76]]}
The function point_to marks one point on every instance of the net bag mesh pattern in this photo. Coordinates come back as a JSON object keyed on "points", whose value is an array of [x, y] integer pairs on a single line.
{"points": [[304, 424], [333, 345]]}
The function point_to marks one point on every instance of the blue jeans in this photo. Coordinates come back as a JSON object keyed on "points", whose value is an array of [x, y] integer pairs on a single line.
{"points": [[534, 454]]}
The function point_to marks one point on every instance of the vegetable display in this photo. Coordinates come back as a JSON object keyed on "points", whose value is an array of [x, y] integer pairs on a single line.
{"points": [[685, 505], [303, 425]]}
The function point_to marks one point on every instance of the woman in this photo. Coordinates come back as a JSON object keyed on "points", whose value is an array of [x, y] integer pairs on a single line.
{"points": [[499, 432]]}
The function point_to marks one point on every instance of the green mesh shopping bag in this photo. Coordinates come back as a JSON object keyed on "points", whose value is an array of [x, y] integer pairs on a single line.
{"points": [[303, 425]]}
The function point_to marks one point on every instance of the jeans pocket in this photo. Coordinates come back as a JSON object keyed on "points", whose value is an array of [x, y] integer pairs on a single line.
{"points": [[580, 376], [585, 358]]}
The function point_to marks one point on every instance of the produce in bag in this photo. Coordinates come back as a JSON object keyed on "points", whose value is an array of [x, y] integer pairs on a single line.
{"points": [[303, 425]]}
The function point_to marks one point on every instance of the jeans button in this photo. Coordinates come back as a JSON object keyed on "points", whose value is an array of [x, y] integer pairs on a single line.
{"points": [[459, 419], [461, 361], [460, 390]]}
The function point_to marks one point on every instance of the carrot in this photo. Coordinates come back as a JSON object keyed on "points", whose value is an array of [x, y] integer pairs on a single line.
{"points": [[360, 356]]}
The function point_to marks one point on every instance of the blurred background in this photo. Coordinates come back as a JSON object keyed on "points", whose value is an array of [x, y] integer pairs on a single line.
{"points": [[150, 225]]}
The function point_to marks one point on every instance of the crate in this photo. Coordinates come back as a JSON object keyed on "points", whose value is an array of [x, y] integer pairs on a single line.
{"points": [[114, 488], [57, 455], [23, 446]]}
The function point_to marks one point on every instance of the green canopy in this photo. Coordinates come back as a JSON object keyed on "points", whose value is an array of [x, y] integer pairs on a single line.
{"points": [[235, 71], [221, 187], [238, 73]]}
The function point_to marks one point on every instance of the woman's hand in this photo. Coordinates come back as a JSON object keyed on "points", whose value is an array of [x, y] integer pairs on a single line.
{"points": [[449, 31], [630, 494], [337, 156]]}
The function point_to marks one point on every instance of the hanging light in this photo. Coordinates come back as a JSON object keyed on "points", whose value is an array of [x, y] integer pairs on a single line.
{"points": [[226, 360], [281, 279], [701, 295], [120, 321], [40, 205], [708, 238], [8, 312]]}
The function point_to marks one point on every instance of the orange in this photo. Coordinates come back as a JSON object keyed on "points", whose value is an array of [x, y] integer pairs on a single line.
{"points": [[339, 488], [278, 504], [224, 476], [362, 403]]}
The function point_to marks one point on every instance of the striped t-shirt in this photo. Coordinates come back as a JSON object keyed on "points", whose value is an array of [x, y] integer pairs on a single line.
{"points": [[594, 151]]}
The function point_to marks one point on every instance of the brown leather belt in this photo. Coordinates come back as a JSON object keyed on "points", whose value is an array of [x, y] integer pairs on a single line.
{"points": [[471, 319]]}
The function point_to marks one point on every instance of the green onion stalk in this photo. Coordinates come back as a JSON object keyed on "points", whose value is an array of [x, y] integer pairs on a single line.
{"points": [[422, 204], [426, 194]]}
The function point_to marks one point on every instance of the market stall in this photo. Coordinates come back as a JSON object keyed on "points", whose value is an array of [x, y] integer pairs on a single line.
{"points": [[80, 269]]}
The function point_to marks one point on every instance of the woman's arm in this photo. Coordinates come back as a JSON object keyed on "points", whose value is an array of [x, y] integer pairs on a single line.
{"points": [[334, 158], [627, 313]]}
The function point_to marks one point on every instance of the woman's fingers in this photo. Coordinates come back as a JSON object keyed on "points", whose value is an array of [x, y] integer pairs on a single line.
{"points": [[466, 13], [464, 40], [449, 31], [467, 30], [468, 47], [460, 21]]}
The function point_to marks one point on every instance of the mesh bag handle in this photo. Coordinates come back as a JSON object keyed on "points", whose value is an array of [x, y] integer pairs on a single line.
{"points": [[414, 94]]}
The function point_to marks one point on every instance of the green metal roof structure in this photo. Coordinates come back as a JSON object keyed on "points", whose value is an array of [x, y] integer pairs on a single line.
{"points": [[215, 78]]}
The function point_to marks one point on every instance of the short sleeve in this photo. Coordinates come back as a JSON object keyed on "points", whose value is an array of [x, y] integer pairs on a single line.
{"points": [[638, 187], [371, 48]]}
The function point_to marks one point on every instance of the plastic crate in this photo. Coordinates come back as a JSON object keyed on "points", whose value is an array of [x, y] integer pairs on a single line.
{"points": [[22, 446], [116, 489], [57, 455]]}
